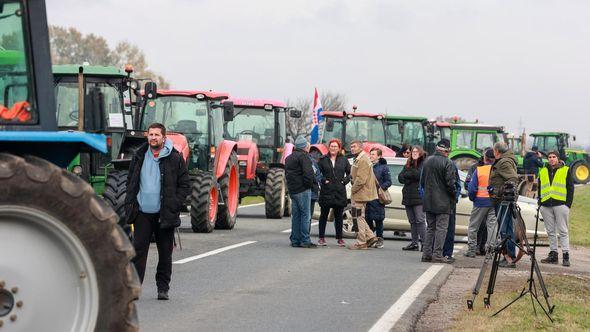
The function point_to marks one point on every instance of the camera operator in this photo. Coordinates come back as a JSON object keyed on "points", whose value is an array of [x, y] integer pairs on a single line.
{"points": [[502, 182]]}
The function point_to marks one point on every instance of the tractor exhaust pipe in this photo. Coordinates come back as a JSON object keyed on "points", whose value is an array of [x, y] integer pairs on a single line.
{"points": [[81, 98]]}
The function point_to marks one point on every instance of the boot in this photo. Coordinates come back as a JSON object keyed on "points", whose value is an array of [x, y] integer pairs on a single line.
{"points": [[552, 258], [566, 259]]}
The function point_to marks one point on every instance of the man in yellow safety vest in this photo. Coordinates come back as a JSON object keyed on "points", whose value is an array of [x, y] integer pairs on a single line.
{"points": [[556, 194]]}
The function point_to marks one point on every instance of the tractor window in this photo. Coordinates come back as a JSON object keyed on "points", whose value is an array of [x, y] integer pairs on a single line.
{"points": [[217, 119], [393, 134], [485, 140], [365, 129], [331, 133], [66, 94], [463, 139], [414, 133], [550, 144], [253, 124], [445, 132], [16, 95]]}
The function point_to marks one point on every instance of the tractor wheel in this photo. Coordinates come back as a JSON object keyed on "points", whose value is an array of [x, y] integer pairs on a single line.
{"points": [[464, 163], [229, 183], [581, 172], [204, 200], [115, 191], [274, 193], [288, 203], [59, 241]]}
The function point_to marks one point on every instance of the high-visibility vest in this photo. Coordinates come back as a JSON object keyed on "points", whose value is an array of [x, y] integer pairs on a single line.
{"points": [[483, 181], [556, 189]]}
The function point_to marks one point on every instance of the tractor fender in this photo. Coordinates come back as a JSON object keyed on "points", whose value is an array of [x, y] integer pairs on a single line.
{"points": [[180, 144], [387, 152], [222, 154], [287, 152], [464, 154], [322, 148], [248, 153]]}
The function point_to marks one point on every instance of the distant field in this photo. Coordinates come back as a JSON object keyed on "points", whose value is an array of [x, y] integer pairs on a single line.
{"points": [[252, 200], [580, 217]]}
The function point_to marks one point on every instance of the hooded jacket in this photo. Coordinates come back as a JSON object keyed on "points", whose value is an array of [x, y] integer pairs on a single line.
{"points": [[503, 170], [148, 197], [532, 163], [299, 172]]}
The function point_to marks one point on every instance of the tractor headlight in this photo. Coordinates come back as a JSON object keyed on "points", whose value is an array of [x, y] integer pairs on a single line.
{"points": [[77, 170]]}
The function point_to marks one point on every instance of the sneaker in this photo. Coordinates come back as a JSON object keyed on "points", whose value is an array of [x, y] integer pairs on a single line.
{"points": [[566, 259], [412, 247], [372, 241], [310, 245], [163, 295], [358, 246], [426, 259], [341, 243], [443, 260], [379, 243], [322, 242], [505, 263], [450, 259], [552, 258], [469, 254]]}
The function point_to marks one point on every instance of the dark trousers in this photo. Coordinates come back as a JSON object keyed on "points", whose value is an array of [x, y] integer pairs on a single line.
{"points": [[482, 237], [504, 217], [145, 225], [338, 211], [450, 238], [376, 226]]}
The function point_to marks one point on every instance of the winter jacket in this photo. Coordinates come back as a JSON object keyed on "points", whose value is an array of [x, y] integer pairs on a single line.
{"points": [[363, 179], [410, 178], [375, 210], [439, 182], [569, 186], [298, 172], [532, 163], [503, 170], [174, 187], [317, 178], [472, 191], [334, 181], [149, 180]]}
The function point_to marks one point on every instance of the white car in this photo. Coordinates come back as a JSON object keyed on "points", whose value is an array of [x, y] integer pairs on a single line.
{"points": [[397, 220]]}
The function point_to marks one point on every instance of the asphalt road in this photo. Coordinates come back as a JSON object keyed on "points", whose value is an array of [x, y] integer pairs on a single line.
{"points": [[268, 285]]}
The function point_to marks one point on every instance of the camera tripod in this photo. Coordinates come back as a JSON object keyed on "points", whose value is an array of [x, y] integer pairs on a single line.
{"points": [[495, 252]]}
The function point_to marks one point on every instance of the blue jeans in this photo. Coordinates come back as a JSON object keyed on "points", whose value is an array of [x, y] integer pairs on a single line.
{"points": [[450, 238], [300, 218], [506, 229]]}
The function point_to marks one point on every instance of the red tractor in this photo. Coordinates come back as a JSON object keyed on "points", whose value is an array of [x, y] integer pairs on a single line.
{"points": [[259, 127], [347, 127], [195, 120]]}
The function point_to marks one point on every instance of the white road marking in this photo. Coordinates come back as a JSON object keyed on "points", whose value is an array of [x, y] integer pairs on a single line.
{"points": [[250, 205], [395, 312], [289, 230], [213, 252]]}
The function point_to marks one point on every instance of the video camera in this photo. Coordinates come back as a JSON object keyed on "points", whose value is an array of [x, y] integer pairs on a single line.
{"points": [[508, 192]]}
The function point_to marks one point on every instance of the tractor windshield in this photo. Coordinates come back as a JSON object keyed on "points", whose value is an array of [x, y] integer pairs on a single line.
{"points": [[546, 143], [445, 132], [394, 135], [413, 133], [17, 98], [463, 140], [331, 128], [485, 140], [366, 129], [254, 124], [66, 93]]}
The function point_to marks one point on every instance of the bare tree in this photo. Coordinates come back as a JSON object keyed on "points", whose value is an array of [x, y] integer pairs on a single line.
{"points": [[333, 102]]}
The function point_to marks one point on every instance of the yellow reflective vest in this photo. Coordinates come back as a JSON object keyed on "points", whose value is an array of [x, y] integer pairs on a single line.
{"points": [[556, 189]]}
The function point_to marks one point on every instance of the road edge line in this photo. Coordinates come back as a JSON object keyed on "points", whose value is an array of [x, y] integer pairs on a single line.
{"points": [[212, 252]]}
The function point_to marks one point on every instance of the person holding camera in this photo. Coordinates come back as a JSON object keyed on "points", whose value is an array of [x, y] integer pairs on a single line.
{"points": [[556, 194], [532, 162], [503, 179]]}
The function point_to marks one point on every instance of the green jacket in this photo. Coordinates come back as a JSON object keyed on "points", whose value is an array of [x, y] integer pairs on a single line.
{"points": [[503, 170]]}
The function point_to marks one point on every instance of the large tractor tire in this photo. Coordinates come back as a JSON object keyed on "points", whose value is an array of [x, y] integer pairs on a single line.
{"points": [[581, 172], [288, 207], [229, 184], [115, 191], [274, 193], [464, 163], [204, 203], [60, 242]]}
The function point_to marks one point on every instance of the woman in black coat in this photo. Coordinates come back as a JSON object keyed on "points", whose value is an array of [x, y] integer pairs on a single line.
{"points": [[410, 178], [335, 171]]}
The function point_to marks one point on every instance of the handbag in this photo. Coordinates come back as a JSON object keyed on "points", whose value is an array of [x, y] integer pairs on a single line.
{"points": [[384, 196]]}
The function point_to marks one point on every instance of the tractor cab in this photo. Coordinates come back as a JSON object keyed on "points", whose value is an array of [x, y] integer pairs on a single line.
{"points": [[551, 141], [469, 140], [408, 130], [577, 159]]}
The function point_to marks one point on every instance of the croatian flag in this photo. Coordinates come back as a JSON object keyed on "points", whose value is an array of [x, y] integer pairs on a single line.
{"points": [[316, 118]]}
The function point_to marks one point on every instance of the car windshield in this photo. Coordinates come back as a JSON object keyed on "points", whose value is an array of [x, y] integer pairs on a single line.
{"points": [[255, 124], [463, 139], [485, 140], [16, 95], [366, 129], [66, 94]]}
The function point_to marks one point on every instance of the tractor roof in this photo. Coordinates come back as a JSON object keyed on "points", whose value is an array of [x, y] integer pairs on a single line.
{"points": [[548, 133], [406, 118], [475, 126], [351, 114], [70, 70], [443, 124], [244, 102], [194, 93]]}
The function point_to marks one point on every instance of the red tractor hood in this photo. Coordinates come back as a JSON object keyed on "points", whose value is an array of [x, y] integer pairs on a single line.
{"points": [[180, 144]]}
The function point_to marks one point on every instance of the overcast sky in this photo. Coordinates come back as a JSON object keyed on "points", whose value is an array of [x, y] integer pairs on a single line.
{"points": [[498, 61]]}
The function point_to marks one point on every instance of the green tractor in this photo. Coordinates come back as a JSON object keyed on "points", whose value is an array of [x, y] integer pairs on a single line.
{"points": [[577, 160], [415, 130], [64, 262], [78, 88], [468, 140]]}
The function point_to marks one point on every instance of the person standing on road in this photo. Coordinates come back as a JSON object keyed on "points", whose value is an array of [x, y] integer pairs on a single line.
{"points": [[335, 171], [157, 187], [438, 182], [503, 172], [449, 246], [556, 195], [482, 233], [483, 209], [315, 188], [410, 178], [300, 178], [532, 162], [363, 190], [375, 213]]}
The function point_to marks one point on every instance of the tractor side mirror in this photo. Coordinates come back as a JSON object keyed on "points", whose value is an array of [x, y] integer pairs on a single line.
{"points": [[228, 111], [295, 113], [574, 138], [329, 125], [151, 90]]}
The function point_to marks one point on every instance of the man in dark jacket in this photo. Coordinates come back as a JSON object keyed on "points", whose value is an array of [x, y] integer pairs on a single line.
{"points": [[438, 180], [157, 187], [375, 212], [300, 179], [532, 162]]}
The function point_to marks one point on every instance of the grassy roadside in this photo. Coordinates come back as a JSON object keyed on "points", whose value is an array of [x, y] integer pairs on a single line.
{"points": [[579, 227], [571, 311], [252, 200]]}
